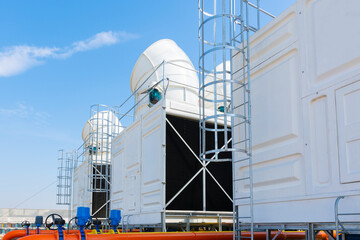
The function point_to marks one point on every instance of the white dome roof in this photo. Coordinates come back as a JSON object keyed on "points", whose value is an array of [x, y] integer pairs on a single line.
{"points": [[101, 122], [153, 56]]}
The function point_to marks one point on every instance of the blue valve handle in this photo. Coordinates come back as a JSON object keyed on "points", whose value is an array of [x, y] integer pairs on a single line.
{"points": [[115, 218], [97, 225], [97, 229], [26, 224], [82, 232], [38, 223], [60, 230], [83, 218]]}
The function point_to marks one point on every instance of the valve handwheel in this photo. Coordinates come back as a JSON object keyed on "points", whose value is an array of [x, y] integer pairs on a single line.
{"points": [[56, 220], [25, 224]]}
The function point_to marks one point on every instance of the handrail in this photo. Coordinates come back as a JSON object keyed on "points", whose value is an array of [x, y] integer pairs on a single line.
{"points": [[337, 214]]}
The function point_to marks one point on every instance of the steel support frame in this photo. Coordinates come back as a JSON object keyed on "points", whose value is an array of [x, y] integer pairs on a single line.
{"points": [[203, 170], [186, 224]]}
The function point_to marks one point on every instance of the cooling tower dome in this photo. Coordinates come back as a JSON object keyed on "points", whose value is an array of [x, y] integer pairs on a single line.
{"points": [[181, 80]]}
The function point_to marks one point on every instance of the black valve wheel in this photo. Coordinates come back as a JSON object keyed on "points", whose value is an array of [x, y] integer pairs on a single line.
{"points": [[53, 220], [25, 224]]}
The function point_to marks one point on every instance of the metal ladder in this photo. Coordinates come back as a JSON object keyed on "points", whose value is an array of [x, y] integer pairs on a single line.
{"points": [[65, 173], [243, 200], [225, 102]]}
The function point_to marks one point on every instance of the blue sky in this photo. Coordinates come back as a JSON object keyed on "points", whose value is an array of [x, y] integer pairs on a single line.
{"points": [[59, 57]]}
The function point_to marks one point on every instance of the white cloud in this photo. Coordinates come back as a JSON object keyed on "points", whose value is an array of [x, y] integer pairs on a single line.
{"points": [[99, 40], [17, 59], [25, 112]]}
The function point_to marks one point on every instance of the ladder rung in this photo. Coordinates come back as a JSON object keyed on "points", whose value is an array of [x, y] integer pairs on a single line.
{"points": [[249, 28], [241, 86], [244, 159], [242, 198], [238, 124], [237, 106], [243, 67], [241, 179], [242, 141], [252, 28], [240, 69], [236, 36]]}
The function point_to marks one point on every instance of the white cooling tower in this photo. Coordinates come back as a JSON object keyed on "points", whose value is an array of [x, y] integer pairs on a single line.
{"points": [[104, 122], [182, 80]]}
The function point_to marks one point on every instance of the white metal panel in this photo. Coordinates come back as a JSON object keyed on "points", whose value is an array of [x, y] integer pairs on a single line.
{"points": [[322, 148], [319, 141], [133, 145], [331, 43], [279, 168], [348, 117], [138, 164], [153, 162], [82, 197], [343, 46], [276, 99], [132, 191], [117, 172], [132, 159], [278, 160], [306, 122]]}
